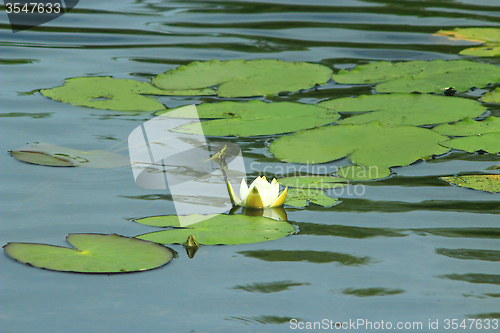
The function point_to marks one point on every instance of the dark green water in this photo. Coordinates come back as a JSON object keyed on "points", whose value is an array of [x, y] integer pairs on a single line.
{"points": [[410, 249]]}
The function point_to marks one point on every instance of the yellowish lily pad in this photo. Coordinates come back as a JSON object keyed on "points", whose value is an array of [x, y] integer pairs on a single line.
{"points": [[492, 97], [485, 183], [489, 36]]}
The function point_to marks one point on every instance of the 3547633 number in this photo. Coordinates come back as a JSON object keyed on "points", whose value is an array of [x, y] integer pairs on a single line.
{"points": [[33, 7], [471, 324]]}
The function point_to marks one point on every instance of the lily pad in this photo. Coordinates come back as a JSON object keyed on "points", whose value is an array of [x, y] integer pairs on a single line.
{"points": [[487, 142], [297, 197], [218, 229], [240, 78], [486, 183], [372, 144], [422, 76], [104, 92], [490, 36], [92, 253], [468, 127], [313, 182], [492, 97], [51, 155], [354, 172], [254, 118], [405, 109]]}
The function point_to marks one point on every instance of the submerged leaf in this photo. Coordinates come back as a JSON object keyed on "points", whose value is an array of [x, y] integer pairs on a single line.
{"points": [[254, 118], [486, 183], [405, 109], [487, 142], [51, 155], [218, 229], [298, 197], [422, 76], [104, 92], [469, 127], [372, 144], [93, 253], [240, 78]]}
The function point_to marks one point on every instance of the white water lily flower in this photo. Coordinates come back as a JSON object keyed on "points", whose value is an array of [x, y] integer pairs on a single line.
{"points": [[260, 194]]}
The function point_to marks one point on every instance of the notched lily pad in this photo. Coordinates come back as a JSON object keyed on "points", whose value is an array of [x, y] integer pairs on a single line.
{"points": [[243, 78], [51, 155], [93, 253], [485, 183], [489, 36], [489, 142], [298, 197], [218, 229], [254, 118], [492, 97], [469, 127], [422, 76], [372, 144], [405, 109], [104, 92]]}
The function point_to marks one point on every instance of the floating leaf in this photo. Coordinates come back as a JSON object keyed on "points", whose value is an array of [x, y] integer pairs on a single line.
{"points": [[47, 154], [218, 229], [355, 172], [421, 76], [372, 144], [487, 142], [405, 109], [469, 127], [104, 92], [299, 197], [486, 183], [254, 118], [490, 36], [492, 97], [313, 182], [239, 78], [93, 253]]}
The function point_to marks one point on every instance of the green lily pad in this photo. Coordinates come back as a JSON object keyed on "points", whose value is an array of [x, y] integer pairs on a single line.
{"points": [[104, 92], [372, 144], [422, 76], [218, 229], [490, 36], [405, 109], [93, 253], [488, 142], [492, 97], [297, 197], [254, 118], [313, 182], [354, 172], [51, 155], [486, 183], [240, 78], [468, 127]]}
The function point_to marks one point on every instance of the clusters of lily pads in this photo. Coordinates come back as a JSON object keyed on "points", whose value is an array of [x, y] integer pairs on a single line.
{"points": [[397, 126]]}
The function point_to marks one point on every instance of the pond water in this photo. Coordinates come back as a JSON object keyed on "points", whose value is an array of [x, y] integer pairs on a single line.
{"points": [[383, 255]]}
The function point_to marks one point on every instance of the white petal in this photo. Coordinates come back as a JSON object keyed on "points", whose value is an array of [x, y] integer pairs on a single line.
{"points": [[244, 190]]}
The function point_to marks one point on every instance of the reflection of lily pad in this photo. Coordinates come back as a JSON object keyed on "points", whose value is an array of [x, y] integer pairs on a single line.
{"points": [[313, 182], [355, 172], [490, 36], [299, 197], [47, 154], [487, 142], [405, 109], [317, 257], [112, 94], [470, 254], [372, 144], [238, 78], [255, 118], [366, 292], [486, 183], [492, 97], [468, 127], [422, 76], [219, 229], [93, 253], [270, 287]]}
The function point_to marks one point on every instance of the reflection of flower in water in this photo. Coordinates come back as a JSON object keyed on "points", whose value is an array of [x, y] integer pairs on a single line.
{"points": [[261, 194]]}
